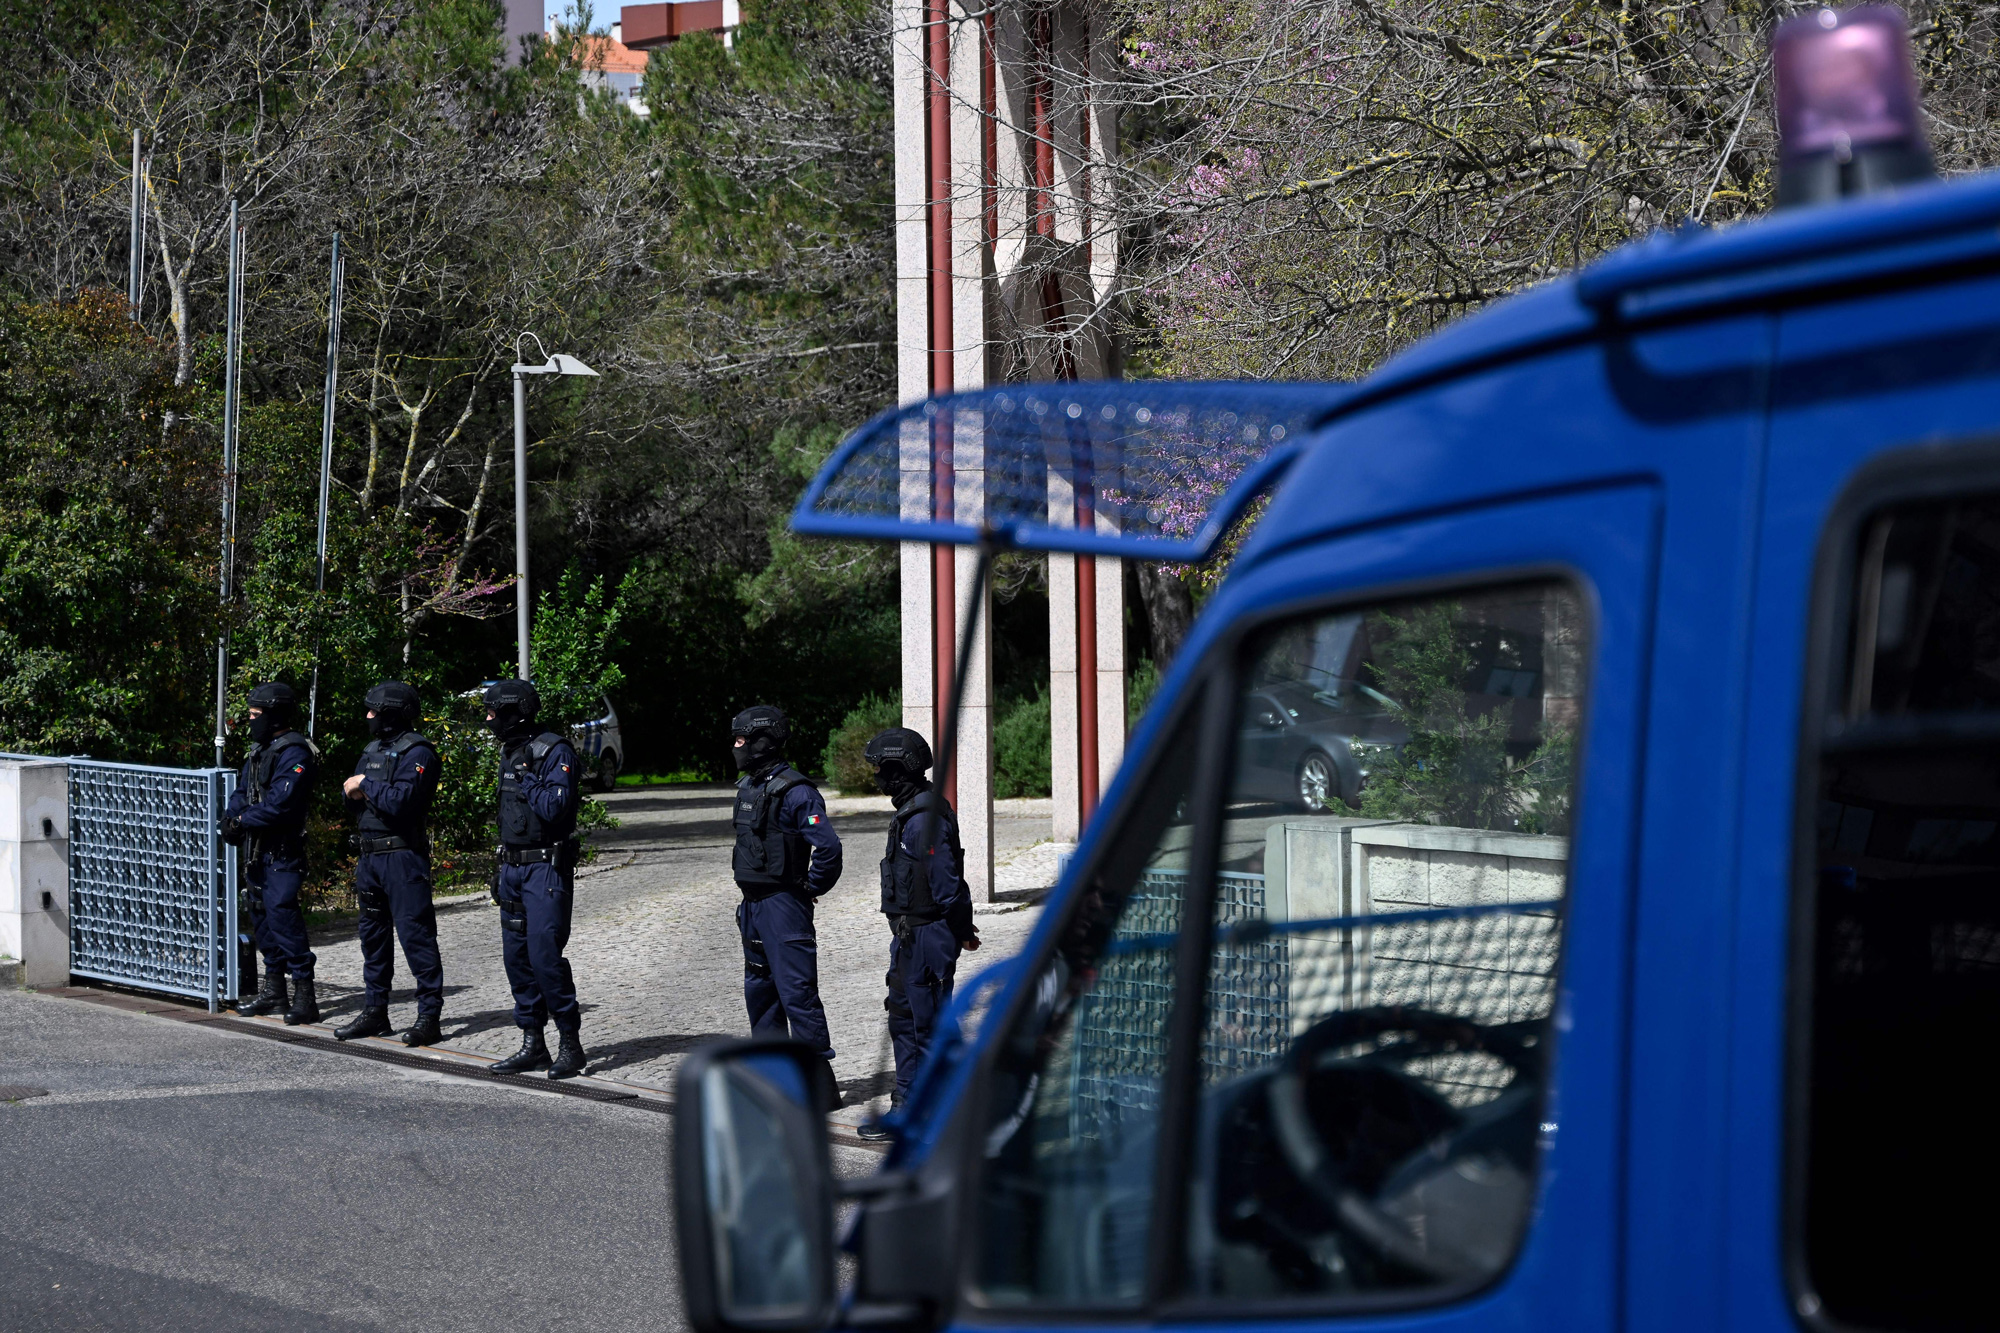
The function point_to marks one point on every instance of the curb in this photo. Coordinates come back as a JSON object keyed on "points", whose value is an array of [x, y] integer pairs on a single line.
{"points": [[434, 1059]]}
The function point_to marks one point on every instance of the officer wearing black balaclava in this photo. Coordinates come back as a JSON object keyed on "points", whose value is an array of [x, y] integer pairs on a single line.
{"points": [[924, 895], [538, 851], [389, 798], [787, 855], [266, 817]]}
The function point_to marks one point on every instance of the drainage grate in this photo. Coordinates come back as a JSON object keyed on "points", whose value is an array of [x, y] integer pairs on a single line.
{"points": [[15, 1092]]}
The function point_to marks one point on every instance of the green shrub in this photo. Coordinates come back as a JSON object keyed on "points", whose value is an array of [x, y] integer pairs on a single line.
{"points": [[1142, 682], [842, 761], [1021, 748]]}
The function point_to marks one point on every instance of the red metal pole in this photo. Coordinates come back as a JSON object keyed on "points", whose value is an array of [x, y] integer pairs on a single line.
{"points": [[1086, 681], [937, 152]]}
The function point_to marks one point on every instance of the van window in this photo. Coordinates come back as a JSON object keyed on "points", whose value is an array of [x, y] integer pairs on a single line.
{"points": [[1066, 1191], [1388, 913], [1894, 1169]]}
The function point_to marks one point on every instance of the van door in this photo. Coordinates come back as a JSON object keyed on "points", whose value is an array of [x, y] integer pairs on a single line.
{"points": [[1868, 973], [1289, 1063]]}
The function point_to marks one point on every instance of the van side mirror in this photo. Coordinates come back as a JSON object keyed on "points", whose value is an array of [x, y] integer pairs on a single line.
{"points": [[753, 1188]]}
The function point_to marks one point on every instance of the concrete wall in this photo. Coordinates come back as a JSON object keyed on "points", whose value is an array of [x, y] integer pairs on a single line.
{"points": [[34, 869], [1493, 969]]}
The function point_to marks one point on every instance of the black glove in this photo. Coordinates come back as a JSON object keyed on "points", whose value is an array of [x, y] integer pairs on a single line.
{"points": [[232, 830]]}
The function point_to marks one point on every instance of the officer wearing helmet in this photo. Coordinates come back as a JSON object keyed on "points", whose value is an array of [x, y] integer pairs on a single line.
{"points": [[389, 797], [787, 855], [925, 897], [266, 817], [535, 887]]}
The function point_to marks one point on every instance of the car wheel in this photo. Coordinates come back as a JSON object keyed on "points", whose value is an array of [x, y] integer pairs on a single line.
{"points": [[606, 776], [1319, 781]]}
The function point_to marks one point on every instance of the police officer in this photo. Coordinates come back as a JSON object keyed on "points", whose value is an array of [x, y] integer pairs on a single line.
{"points": [[389, 797], [925, 897], [538, 849], [267, 818], [787, 855]]}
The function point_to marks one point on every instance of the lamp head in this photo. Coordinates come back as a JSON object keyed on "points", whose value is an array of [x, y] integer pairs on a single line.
{"points": [[1848, 111]]}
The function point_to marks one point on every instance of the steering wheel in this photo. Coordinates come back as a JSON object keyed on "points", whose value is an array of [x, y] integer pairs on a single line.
{"points": [[1437, 1137]]}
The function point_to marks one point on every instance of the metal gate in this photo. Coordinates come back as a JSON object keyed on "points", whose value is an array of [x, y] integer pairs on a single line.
{"points": [[152, 886]]}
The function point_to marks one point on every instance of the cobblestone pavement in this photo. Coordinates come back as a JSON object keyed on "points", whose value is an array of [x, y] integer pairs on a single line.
{"points": [[653, 943]]}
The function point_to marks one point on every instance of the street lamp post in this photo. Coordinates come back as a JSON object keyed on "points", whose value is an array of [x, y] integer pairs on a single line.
{"points": [[558, 364]]}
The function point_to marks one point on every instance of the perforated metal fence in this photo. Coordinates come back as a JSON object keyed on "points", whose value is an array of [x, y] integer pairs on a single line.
{"points": [[152, 886], [1270, 981], [1121, 1028]]}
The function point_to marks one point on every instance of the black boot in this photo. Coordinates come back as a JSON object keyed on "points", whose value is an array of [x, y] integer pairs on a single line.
{"points": [[270, 997], [534, 1053], [873, 1129], [367, 1023], [305, 1004], [423, 1032], [569, 1055]]}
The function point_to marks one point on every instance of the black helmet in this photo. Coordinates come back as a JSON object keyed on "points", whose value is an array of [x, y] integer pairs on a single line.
{"points": [[394, 705], [514, 704], [276, 698], [901, 746], [764, 729], [277, 705]]}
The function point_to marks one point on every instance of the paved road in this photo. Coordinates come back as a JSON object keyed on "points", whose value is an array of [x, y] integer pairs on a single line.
{"points": [[654, 945], [181, 1176]]}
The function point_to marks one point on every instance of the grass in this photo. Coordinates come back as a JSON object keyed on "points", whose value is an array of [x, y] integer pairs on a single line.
{"points": [[681, 778]]}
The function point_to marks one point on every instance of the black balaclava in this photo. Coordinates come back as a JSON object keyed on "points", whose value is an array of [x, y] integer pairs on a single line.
{"points": [[899, 757], [513, 704], [278, 708], [765, 731], [394, 705]]}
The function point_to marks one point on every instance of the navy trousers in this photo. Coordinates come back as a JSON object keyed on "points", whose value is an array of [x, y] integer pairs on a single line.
{"points": [[532, 941], [781, 970], [395, 893], [920, 980], [281, 926]]}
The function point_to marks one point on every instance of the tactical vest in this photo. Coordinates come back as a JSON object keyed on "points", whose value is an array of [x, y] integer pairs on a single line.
{"points": [[906, 881], [766, 857], [520, 826], [379, 761], [265, 762]]}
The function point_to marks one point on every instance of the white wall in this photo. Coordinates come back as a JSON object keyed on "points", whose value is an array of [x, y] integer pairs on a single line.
{"points": [[34, 869]]}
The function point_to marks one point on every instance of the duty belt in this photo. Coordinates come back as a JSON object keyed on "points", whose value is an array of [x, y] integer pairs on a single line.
{"points": [[524, 856], [370, 846], [905, 924]]}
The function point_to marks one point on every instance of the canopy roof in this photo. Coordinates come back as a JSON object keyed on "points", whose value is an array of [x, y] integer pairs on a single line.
{"points": [[1152, 469]]}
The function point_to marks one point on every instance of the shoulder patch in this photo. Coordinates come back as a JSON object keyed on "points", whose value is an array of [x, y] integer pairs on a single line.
{"points": [[812, 819], [298, 768]]}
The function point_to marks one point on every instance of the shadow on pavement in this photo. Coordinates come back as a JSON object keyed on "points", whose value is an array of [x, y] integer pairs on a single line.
{"points": [[625, 803], [855, 1091], [618, 1054]]}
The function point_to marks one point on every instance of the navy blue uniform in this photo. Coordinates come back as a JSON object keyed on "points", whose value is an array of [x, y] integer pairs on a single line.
{"points": [[930, 912], [787, 855], [538, 802], [272, 793], [392, 877]]}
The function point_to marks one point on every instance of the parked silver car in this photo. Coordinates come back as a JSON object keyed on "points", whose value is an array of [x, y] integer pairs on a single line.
{"points": [[601, 746], [599, 743]]}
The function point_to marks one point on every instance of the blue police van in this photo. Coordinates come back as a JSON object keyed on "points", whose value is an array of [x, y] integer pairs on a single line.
{"points": [[1647, 978]]}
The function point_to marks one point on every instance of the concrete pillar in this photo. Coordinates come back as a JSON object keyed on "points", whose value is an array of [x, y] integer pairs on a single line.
{"points": [[1027, 264], [941, 348], [34, 869], [1065, 702]]}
